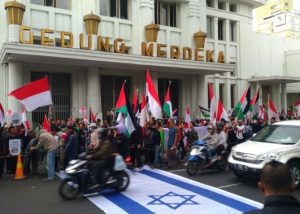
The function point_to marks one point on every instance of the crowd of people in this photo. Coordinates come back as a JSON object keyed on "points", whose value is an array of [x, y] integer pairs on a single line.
{"points": [[146, 145]]}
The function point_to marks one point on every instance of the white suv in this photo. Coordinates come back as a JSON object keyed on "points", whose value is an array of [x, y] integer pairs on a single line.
{"points": [[280, 141]]}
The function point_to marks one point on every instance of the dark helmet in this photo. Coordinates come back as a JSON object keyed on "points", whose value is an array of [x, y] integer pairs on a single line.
{"points": [[220, 125]]}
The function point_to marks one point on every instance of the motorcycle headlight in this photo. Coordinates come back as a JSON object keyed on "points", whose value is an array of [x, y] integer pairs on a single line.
{"points": [[70, 171], [269, 156]]}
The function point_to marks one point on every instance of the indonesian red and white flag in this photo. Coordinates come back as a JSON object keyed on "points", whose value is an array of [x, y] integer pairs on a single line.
{"points": [[213, 104], [153, 100], [187, 119], [272, 111], [33, 95], [2, 115], [144, 113], [46, 124], [221, 112], [297, 107], [24, 119]]}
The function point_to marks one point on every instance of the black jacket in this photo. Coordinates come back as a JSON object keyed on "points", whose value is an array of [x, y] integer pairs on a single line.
{"points": [[279, 204]]}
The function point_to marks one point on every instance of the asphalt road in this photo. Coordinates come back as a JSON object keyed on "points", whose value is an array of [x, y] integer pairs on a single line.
{"points": [[35, 196]]}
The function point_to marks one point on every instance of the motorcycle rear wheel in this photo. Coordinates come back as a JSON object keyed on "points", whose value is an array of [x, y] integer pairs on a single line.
{"points": [[69, 189], [122, 182], [192, 168]]}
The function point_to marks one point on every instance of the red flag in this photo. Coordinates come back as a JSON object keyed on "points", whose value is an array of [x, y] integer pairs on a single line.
{"points": [[2, 115], [92, 116], [272, 111], [46, 124], [33, 95], [135, 100], [153, 99]]}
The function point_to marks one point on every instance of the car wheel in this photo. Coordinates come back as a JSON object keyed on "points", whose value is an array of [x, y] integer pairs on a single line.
{"points": [[295, 171], [238, 174]]}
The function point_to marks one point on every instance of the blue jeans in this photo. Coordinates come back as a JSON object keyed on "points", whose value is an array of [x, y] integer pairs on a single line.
{"points": [[211, 153], [51, 163], [157, 160]]}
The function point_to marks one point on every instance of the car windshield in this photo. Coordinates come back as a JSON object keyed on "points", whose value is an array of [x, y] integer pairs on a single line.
{"points": [[278, 134]]}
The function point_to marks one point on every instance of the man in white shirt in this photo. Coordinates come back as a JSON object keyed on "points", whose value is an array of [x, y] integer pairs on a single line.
{"points": [[240, 129]]}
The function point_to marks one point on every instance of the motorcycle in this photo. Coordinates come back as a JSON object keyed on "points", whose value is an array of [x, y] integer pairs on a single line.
{"points": [[77, 179], [198, 158]]}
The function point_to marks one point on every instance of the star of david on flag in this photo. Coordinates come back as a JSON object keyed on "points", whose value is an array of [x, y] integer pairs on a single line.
{"points": [[172, 200]]}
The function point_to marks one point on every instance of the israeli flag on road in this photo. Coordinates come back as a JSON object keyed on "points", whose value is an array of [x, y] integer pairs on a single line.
{"points": [[156, 191]]}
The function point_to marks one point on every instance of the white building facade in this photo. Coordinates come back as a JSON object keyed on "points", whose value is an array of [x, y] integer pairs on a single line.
{"points": [[87, 63]]}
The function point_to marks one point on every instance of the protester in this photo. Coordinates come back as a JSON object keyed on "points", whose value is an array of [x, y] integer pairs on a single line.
{"points": [[148, 145], [191, 134], [157, 144], [70, 151], [277, 184], [240, 130], [49, 144], [172, 152], [31, 156], [136, 142]]}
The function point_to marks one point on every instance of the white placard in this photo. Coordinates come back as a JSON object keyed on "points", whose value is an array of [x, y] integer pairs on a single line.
{"points": [[15, 147]]}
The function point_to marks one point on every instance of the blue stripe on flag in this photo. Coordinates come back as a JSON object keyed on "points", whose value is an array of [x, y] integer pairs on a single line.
{"points": [[127, 204], [233, 203]]}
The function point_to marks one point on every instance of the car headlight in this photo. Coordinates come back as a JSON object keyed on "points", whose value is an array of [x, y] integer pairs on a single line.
{"points": [[269, 156]]}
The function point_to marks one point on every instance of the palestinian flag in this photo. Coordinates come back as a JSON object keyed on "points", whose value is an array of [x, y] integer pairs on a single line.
{"points": [[272, 111], [167, 107], [213, 104], [204, 112], [255, 103], [243, 106], [123, 107], [2, 115], [153, 100]]}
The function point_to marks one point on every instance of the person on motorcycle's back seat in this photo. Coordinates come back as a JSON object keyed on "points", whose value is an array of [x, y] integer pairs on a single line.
{"points": [[99, 153], [212, 140], [222, 136]]}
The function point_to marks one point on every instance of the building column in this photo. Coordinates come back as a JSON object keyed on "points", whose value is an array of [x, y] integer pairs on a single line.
{"points": [[284, 97], [14, 82], [216, 87], [93, 89], [275, 96], [227, 100], [194, 103], [202, 91]]}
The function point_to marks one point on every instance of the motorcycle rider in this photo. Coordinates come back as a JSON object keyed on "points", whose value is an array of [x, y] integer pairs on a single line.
{"points": [[212, 140], [99, 154]]}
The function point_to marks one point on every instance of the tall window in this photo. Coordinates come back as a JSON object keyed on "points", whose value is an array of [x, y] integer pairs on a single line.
{"points": [[232, 31], [63, 4], [221, 5], [210, 27], [165, 13], [232, 7], [221, 29], [114, 8], [210, 3]]}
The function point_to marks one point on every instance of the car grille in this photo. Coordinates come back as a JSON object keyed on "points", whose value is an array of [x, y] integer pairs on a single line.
{"points": [[247, 160]]}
